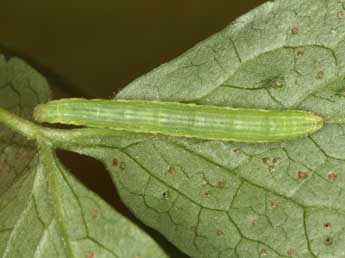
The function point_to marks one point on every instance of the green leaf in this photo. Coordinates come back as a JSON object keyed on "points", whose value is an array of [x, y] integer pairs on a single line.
{"points": [[21, 88], [223, 199], [44, 211]]}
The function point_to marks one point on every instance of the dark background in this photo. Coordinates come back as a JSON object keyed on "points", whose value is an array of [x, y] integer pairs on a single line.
{"points": [[92, 49]]}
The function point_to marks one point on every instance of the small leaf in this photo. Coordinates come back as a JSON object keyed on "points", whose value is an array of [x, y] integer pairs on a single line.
{"points": [[44, 211]]}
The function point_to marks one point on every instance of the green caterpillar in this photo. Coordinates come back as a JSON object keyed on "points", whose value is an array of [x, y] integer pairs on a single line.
{"points": [[178, 119]]}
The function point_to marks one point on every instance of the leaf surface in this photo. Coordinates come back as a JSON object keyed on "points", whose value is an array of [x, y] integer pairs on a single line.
{"points": [[44, 211], [223, 199]]}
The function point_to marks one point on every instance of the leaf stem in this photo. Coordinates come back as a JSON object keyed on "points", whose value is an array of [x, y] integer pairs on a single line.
{"points": [[20, 125], [56, 138]]}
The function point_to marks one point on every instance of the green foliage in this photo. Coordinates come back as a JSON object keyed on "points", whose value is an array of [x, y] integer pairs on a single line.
{"points": [[44, 211], [209, 198]]}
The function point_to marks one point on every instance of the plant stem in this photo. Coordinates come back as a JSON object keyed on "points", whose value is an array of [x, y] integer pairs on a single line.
{"points": [[20, 125], [56, 138]]}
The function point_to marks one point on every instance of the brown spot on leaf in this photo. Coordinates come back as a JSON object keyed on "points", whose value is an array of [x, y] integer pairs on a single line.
{"points": [[236, 151], [274, 205], [291, 252], [328, 241], [172, 170], [122, 165], [295, 30], [342, 93], [1, 172], [5, 163], [220, 184], [253, 221], [114, 162], [89, 254], [266, 160], [165, 195], [275, 160], [193, 228], [299, 53], [341, 14], [332, 176], [94, 214], [20, 155], [206, 194], [220, 233], [301, 175], [320, 75], [327, 225], [263, 253], [277, 83]]}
